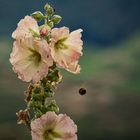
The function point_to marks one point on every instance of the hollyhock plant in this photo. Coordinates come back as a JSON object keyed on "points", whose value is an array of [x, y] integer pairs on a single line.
{"points": [[39, 52], [66, 48], [53, 127]]}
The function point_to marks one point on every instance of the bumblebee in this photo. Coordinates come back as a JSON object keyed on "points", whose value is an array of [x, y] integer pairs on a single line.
{"points": [[82, 91]]}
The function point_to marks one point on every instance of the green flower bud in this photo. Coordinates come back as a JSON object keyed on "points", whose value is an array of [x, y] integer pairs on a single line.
{"points": [[46, 7], [50, 24], [37, 15], [56, 19], [49, 9], [53, 107], [37, 105], [54, 76], [38, 113], [30, 104], [37, 97], [37, 89], [49, 93]]}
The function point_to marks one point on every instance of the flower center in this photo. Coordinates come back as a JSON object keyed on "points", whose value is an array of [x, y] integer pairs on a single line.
{"points": [[60, 44], [50, 134], [35, 57]]}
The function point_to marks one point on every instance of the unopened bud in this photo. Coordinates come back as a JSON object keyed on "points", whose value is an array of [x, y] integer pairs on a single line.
{"points": [[56, 19], [37, 89], [37, 15], [53, 106], [54, 76], [50, 24], [49, 93], [49, 9], [44, 31], [37, 97], [46, 7]]}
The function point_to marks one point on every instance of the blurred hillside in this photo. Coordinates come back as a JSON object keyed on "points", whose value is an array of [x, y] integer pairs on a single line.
{"points": [[109, 111], [103, 21]]}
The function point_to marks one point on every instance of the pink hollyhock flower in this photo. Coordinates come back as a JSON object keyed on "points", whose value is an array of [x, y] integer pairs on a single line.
{"points": [[66, 48], [24, 26], [53, 127], [30, 59]]}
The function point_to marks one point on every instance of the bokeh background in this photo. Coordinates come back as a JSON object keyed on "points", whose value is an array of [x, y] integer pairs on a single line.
{"points": [[110, 68]]}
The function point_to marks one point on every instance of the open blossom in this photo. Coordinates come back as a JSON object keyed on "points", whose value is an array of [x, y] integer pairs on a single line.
{"points": [[31, 56], [66, 48], [31, 59], [53, 127], [24, 27]]}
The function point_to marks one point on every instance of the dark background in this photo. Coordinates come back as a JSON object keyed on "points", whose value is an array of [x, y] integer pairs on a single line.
{"points": [[103, 21], [110, 68]]}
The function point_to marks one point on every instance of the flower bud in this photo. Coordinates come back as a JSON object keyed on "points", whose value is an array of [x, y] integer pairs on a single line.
{"points": [[49, 9], [38, 113], [50, 24], [37, 97], [37, 104], [37, 15], [56, 19], [44, 31], [37, 89], [30, 104], [46, 7], [49, 93], [53, 106]]}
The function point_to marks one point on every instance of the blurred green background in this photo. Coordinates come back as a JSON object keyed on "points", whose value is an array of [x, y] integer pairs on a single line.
{"points": [[110, 69]]}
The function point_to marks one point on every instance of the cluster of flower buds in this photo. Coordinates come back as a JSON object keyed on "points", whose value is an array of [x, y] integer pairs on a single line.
{"points": [[49, 16], [39, 96], [39, 52]]}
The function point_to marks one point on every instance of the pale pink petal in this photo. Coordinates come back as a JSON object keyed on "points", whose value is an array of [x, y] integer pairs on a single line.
{"points": [[59, 33], [66, 125], [23, 28], [74, 40], [74, 67], [46, 121], [64, 61], [36, 136]]}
